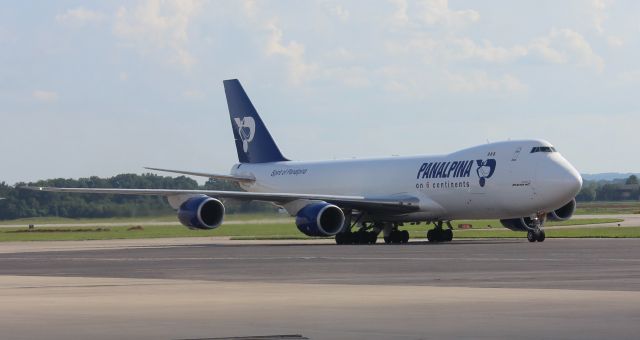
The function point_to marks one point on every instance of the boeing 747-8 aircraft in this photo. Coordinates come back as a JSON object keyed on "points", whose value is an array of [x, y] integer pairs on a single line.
{"points": [[522, 183]]}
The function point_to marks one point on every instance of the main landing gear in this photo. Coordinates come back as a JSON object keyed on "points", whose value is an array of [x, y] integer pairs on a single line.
{"points": [[395, 236], [438, 234], [362, 236], [368, 234]]}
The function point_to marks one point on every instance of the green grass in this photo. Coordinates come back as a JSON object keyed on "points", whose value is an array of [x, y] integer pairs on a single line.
{"points": [[604, 208], [131, 220], [248, 230]]}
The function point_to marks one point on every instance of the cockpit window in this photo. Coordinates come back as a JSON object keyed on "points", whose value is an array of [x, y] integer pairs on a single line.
{"points": [[543, 149]]}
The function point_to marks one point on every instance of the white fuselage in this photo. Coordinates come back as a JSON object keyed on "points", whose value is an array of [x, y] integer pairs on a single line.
{"points": [[497, 180]]}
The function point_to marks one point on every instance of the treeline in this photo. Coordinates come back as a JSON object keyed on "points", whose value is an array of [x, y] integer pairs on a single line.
{"points": [[616, 190], [20, 203]]}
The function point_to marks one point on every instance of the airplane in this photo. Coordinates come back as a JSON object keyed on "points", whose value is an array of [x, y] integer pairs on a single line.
{"points": [[522, 183]]}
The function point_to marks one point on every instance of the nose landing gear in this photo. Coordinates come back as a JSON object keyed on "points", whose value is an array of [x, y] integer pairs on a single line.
{"points": [[536, 232], [536, 235]]}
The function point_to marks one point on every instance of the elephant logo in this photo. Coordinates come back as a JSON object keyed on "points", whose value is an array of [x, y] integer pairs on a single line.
{"points": [[246, 130], [485, 169]]}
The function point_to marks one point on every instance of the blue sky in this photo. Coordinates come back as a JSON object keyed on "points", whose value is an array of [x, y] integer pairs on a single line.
{"points": [[109, 87]]}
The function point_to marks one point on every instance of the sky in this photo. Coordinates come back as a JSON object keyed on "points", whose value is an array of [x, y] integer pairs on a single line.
{"points": [[102, 88]]}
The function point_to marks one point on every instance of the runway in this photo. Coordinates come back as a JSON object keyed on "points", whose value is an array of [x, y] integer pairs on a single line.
{"points": [[562, 288]]}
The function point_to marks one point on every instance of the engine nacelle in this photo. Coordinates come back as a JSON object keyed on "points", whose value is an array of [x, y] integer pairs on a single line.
{"points": [[320, 219], [201, 212], [564, 213], [517, 224]]}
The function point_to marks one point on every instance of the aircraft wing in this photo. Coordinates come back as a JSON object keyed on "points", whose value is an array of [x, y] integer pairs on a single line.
{"points": [[208, 175], [399, 204]]}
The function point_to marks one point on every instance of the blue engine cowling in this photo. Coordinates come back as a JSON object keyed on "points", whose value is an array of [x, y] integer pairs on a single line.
{"points": [[517, 224], [564, 213], [201, 212], [320, 219]]}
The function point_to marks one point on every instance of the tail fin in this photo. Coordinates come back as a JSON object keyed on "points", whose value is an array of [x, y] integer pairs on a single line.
{"points": [[253, 141]]}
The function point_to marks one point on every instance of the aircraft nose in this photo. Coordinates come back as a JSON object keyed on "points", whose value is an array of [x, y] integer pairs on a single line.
{"points": [[565, 179]]}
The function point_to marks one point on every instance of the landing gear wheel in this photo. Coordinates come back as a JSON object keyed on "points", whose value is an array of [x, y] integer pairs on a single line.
{"points": [[439, 235], [531, 236], [540, 236], [343, 238], [404, 236], [430, 235], [448, 235], [396, 237]]}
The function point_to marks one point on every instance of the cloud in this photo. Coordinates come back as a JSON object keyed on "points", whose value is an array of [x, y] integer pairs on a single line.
{"points": [[559, 46], [79, 16], [45, 96], [600, 14], [480, 81], [400, 15], [562, 46], [437, 12], [469, 49], [250, 8], [340, 12], [159, 25], [293, 52]]}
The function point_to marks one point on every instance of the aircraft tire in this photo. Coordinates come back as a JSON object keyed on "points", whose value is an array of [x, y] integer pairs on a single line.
{"points": [[430, 235], [540, 235], [448, 235], [405, 236], [531, 236]]}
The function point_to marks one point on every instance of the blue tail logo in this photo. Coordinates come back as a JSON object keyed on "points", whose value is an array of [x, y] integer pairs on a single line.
{"points": [[485, 169], [246, 130]]}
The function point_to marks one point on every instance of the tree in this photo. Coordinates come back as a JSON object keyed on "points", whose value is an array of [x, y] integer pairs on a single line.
{"points": [[588, 192], [21, 203], [633, 179]]}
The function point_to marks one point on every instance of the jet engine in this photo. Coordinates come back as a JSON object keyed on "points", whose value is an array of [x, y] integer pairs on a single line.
{"points": [[561, 214], [517, 224], [564, 213], [320, 219], [202, 212]]}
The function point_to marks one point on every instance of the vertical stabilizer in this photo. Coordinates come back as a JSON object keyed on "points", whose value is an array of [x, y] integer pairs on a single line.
{"points": [[253, 141]]}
